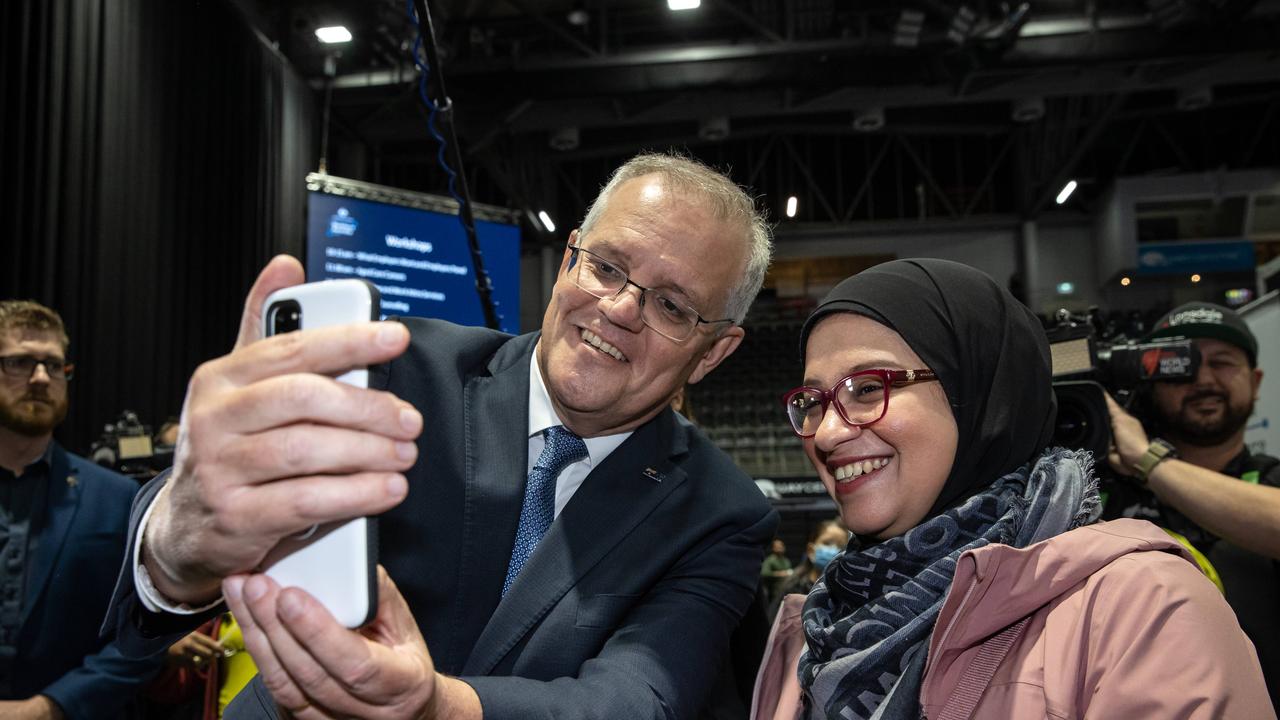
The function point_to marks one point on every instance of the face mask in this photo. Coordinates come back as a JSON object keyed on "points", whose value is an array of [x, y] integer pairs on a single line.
{"points": [[823, 555]]}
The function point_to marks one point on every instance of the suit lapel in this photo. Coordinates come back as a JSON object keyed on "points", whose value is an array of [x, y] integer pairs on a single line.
{"points": [[615, 498], [496, 411], [62, 502]]}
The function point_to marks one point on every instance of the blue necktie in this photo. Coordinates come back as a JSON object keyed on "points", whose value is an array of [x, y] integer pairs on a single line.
{"points": [[562, 449]]}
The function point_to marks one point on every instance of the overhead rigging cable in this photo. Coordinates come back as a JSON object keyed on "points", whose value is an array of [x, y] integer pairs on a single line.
{"points": [[440, 125]]}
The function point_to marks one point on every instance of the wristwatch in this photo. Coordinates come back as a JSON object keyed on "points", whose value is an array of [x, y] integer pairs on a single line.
{"points": [[1157, 452]]}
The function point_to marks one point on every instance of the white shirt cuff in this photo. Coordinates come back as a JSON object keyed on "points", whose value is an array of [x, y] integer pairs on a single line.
{"points": [[148, 595]]}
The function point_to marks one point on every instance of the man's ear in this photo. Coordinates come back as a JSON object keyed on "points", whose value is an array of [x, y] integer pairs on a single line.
{"points": [[1257, 383], [568, 251], [720, 349]]}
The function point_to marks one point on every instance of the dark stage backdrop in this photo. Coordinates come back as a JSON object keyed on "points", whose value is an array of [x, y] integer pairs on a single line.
{"points": [[154, 154]]}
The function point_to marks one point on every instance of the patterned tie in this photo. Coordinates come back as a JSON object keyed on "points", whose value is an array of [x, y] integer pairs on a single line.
{"points": [[562, 449]]}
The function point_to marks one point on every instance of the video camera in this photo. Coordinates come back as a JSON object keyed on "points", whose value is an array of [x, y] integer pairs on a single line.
{"points": [[1084, 368], [126, 447]]}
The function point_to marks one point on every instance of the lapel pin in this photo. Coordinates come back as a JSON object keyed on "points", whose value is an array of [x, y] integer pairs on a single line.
{"points": [[653, 474], [72, 481]]}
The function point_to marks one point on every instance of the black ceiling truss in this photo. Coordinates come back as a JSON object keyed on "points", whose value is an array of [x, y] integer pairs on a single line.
{"points": [[1115, 81]]}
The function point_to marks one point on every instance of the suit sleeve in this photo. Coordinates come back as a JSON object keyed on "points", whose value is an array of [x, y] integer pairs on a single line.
{"points": [[663, 659], [104, 683], [138, 632], [1166, 644]]}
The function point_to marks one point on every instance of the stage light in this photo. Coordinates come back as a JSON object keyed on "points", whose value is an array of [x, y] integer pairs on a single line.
{"points": [[1067, 189], [961, 25], [906, 32], [1239, 296], [714, 129], [546, 221], [869, 119], [1194, 98], [565, 139], [1028, 109], [334, 34], [1124, 281], [1066, 288], [683, 4], [1195, 278], [791, 206]]}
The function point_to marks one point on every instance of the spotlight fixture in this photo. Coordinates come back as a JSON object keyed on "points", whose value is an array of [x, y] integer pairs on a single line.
{"points": [[791, 206], [546, 221], [906, 32], [868, 119], [1125, 282], [333, 34], [1194, 98], [1168, 13], [961, 25], [1195, 278], [578, 16], [683, 4], [1066, 191], [714, 128], [565, 139], [1066, 288], [1028, 109]]}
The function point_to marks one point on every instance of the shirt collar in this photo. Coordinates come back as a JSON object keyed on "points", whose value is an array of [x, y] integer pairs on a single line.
{"points": [[42, 463], [542, 415]]}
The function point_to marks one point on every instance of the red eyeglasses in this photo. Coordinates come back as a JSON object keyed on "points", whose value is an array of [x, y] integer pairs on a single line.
{"points": [[861, 398]]}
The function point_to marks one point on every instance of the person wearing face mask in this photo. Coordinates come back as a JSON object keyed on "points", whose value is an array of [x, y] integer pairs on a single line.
{"points": [[980, 583], [826, 541], [775, 680]]}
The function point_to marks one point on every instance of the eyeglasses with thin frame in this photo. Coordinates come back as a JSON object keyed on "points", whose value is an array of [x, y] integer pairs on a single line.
{"points": [[24, 366], [861, 398], [603, 278]]}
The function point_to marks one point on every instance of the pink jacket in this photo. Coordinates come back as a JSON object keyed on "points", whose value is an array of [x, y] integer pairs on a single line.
{"points": [[1121, 624]]}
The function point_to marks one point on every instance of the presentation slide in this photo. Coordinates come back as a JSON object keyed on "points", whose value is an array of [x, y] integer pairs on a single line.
{"points": [[418, 258]]}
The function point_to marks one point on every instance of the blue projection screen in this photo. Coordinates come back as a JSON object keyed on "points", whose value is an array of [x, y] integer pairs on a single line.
{"points": [[413, 248]]}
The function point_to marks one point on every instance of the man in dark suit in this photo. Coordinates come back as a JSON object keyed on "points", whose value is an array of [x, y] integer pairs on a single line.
{"points": [[63, 523], [561, 543]]}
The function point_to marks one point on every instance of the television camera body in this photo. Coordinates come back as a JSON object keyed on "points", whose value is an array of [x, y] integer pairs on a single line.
{"points": [[1085, 368], [126, 446]]}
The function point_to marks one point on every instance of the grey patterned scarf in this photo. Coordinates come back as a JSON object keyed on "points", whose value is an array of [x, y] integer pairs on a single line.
{"points": [[867, 621]]}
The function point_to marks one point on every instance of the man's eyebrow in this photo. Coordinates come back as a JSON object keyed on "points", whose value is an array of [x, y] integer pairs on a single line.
{"points": [[605, 248], [610, 252]]}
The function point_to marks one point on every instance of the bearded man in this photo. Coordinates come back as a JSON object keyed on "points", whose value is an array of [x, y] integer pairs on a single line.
{"points": [[63, 525], [1194, 476]]}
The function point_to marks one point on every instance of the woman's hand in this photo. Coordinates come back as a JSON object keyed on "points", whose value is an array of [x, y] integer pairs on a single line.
{"points": [[194, 651]]}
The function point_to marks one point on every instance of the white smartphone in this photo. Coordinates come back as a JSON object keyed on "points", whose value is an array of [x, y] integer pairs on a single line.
{"points": [[334, 562]]}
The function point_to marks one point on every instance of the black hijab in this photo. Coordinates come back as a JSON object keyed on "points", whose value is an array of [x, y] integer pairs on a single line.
{"points": [[988, 349]]}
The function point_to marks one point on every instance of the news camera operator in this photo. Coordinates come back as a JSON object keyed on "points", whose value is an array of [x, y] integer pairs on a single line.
{"points": [[1191, 473]]}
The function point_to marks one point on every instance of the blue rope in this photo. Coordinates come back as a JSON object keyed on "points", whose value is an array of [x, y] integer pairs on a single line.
{"points": [[424, 71]]}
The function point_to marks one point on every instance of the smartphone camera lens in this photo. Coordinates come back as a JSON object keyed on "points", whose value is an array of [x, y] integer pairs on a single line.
{"points": [[286, 316]]}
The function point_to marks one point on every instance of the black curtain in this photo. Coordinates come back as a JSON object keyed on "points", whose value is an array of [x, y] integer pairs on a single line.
{"points": [[154, 155]]}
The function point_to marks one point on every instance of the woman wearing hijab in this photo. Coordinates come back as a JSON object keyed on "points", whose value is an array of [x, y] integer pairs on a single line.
{"points": [[978, 585]]}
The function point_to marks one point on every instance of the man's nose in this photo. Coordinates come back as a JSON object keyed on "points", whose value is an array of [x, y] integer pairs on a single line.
{"points": [[1204, 374], [40, 374], [625, 308]]}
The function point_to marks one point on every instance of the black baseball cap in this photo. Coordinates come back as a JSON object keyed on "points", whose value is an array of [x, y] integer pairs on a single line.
{"points": [[1207, 320]]}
